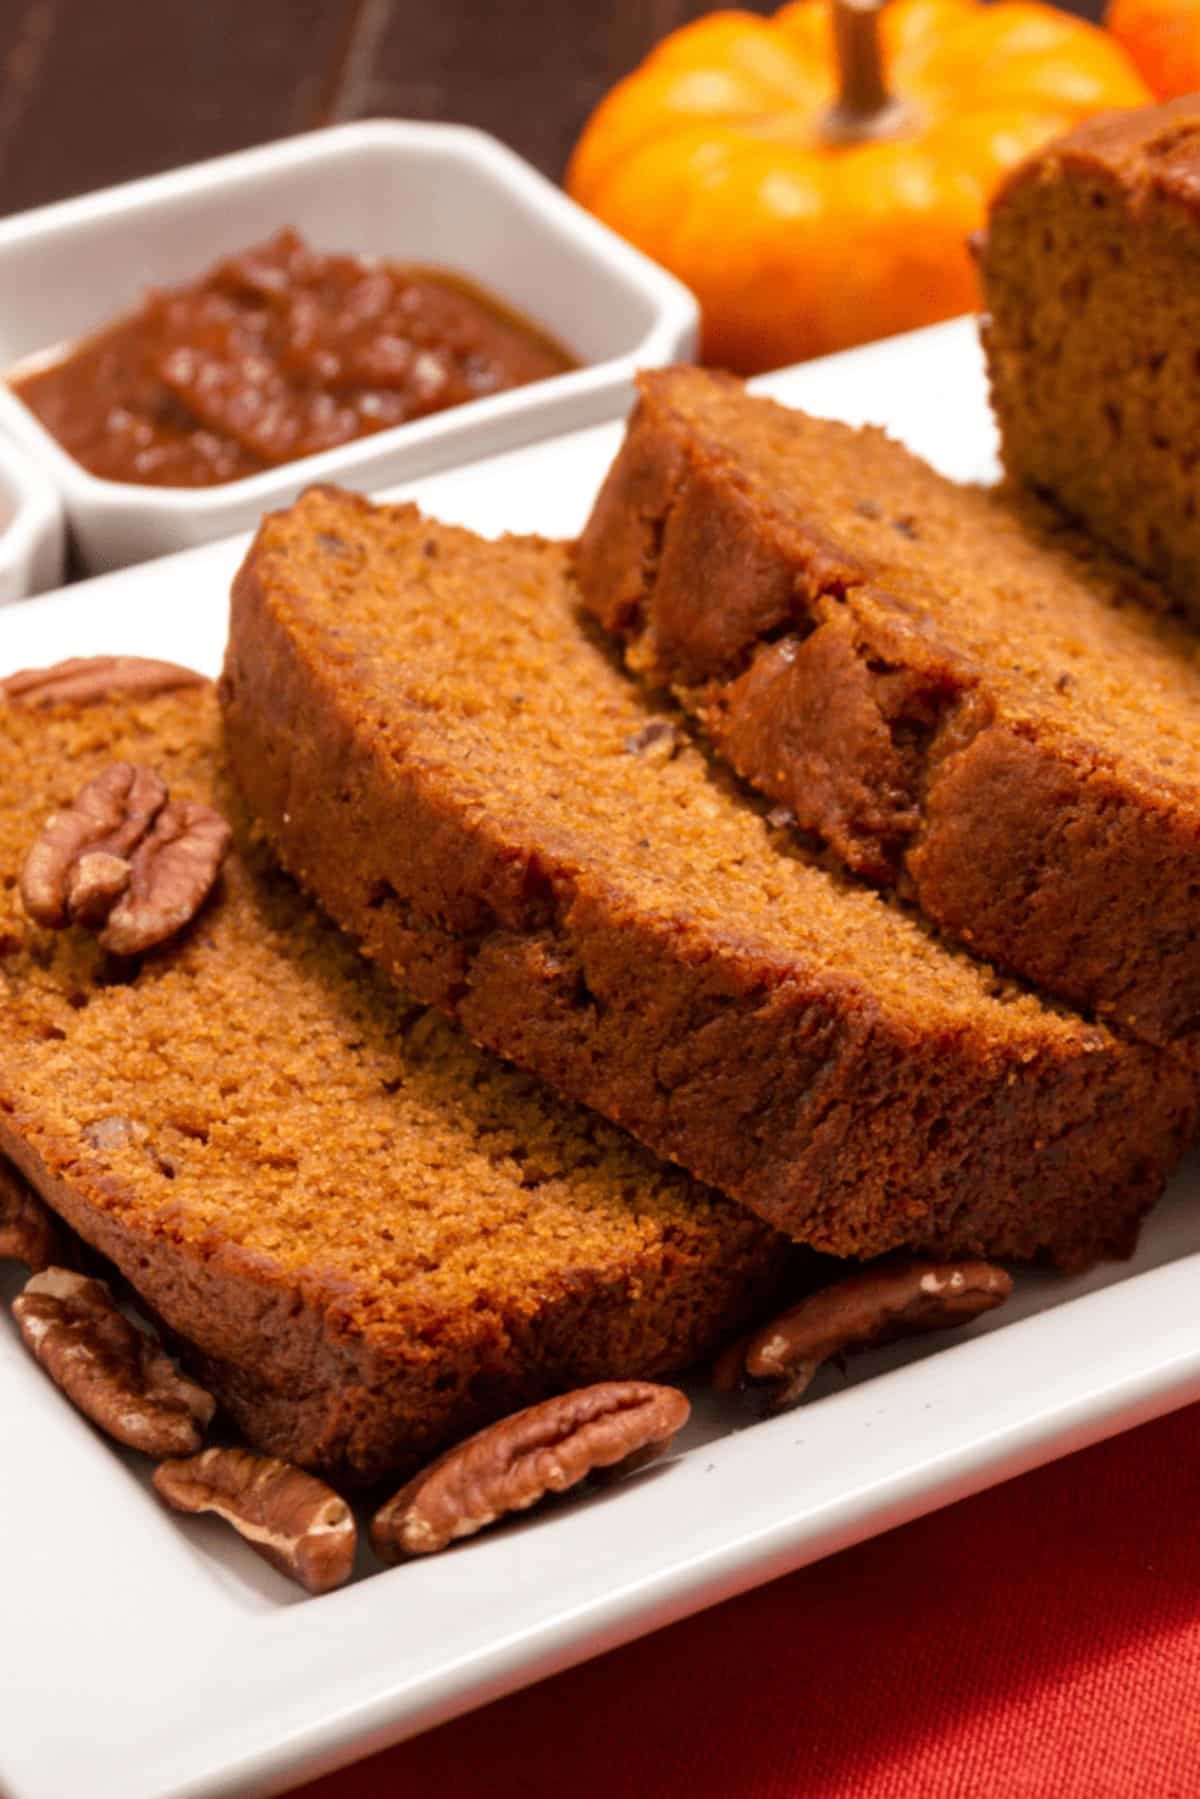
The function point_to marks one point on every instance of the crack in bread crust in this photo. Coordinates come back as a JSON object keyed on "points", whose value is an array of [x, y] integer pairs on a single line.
{"points": [[928, 751]]}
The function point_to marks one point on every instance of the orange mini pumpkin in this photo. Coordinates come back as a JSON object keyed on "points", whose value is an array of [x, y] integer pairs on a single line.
{"points": [[814, 199], [1163, 38]]}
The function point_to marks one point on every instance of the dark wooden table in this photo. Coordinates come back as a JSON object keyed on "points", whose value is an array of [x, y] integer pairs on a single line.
{"points": [[96, 91]]}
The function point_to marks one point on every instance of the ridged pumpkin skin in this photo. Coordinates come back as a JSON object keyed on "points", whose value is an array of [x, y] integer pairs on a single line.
{"points": [[1163, 38], [710, 157]]}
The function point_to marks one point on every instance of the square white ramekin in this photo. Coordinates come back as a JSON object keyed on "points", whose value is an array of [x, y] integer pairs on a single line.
{"points": [[441, 194], [32, 533]]}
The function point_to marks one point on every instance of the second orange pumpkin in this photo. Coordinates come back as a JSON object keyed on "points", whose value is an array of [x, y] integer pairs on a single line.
{"points": [[1163, 38], [717, 158]]}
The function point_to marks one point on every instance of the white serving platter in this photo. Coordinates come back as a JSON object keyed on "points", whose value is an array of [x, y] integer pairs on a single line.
{"points": [[425, 193], [148, 1658]]}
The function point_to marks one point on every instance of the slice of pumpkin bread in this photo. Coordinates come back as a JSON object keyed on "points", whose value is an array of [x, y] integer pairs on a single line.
{"points": [[443, 754], [956, 696], [1091, 277], [368, 1237]]}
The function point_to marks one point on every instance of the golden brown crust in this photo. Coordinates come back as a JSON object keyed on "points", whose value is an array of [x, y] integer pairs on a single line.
{"points": [[465, 802], [365, 1237], [1152, 152], [959, 700]]}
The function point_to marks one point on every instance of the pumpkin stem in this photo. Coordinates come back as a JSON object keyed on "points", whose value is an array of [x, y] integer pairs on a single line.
{"points": [[864, 109]]}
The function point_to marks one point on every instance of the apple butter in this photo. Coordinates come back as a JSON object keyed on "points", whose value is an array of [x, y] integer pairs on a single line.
{"points": [[278, 352]]}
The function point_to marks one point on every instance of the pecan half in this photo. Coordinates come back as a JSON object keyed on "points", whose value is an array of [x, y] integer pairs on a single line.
{"points": [[27, 1230], [82, 680], [125, 860], [868, 1308], [116, 1374], [294, 1521], [511, 1465]]}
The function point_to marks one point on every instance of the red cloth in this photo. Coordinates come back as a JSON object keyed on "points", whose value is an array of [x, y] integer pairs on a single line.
{"points": [[1043, 1638]]}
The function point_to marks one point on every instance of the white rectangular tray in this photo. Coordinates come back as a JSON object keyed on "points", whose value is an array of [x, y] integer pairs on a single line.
{"points": [[143, 1656]]}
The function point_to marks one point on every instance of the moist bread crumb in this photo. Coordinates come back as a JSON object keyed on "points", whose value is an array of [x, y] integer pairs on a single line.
{"points": [[958, 695], [441, 751], [1091, 277], [368, 1237]]}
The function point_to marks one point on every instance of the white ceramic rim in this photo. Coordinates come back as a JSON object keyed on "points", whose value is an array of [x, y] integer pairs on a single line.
{"points": [[32, 539]]}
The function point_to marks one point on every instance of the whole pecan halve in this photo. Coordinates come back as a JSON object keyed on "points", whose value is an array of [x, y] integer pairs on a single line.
{"points": [[872, 1307], [27, 1230], [82, 680], [511, 1465], [294, 1521], [125, 860], [116, 1374]]}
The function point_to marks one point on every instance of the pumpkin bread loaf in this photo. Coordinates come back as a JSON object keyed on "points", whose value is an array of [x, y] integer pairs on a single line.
{"points": [[1091, 274], [956, 696], [368, 1238], [441, 751]]}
